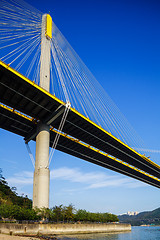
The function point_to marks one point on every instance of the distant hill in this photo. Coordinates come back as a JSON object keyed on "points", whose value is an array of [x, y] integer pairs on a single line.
{"points": [[9, 196], [148, 217]]}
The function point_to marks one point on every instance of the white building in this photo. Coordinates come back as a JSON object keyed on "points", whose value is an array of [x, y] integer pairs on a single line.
{"points": [[132, 213]]}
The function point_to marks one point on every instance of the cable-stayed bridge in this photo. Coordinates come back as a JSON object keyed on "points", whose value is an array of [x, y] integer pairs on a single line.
{"points": [[63, 107]]}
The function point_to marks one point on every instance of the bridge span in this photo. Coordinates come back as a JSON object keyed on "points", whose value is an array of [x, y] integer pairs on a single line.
{"points": [[24, 104]]}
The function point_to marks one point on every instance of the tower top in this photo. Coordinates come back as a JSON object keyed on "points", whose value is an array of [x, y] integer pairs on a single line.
{"points": [[48, 32]]}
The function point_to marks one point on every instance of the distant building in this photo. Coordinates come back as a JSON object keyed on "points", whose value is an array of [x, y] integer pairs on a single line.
{"points": [[132, 213]]}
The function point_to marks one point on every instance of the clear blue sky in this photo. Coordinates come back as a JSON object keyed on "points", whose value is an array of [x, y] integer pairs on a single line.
{"points": [[119, 41]]}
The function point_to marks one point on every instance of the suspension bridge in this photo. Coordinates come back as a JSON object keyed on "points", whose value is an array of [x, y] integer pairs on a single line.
{"points": [[48, 95]]}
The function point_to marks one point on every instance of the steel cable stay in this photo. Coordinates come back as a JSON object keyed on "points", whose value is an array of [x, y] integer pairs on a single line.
{"points": [[70, 76], [60, 128], [30, 50], [60, 74], [20, 26], [67, 63], [21, 7], [33, 63], [30, 154], [97, 113], [112, 122], [148, 150], [55, 142], [19, 49], [14, 43]]}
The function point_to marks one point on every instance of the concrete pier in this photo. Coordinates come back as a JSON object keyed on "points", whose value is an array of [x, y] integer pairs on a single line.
{"points": [[42, 173]]}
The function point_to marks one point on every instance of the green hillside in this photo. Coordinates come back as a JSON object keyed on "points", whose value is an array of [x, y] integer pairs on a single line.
{"points": [[148, 217], [13, 206], [9, 196]]}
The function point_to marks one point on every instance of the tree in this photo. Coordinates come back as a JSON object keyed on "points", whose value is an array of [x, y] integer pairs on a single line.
{"points": [[17, 212], [69, 212], [81, 215], [63, 212], [44, 213], [57, 211], [2, 179]]}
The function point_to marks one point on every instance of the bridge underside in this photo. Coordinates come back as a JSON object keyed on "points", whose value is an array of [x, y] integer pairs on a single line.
{"points": [[24, 104]]}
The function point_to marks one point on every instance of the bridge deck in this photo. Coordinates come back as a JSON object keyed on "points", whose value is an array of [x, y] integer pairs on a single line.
{"points": [[20, 124], [20, 93]]}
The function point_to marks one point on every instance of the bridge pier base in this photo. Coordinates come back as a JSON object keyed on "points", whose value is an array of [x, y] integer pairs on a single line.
{"points": [[42, 173]]}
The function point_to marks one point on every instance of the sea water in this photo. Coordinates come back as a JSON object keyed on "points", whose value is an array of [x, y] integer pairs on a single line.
{"points": [[137, 233]]}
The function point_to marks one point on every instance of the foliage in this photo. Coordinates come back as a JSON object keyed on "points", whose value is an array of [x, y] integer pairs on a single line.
{"points": [[83, 215], [9, 196], [17, 207], [69, 213], [17, 212], [56, 214]]}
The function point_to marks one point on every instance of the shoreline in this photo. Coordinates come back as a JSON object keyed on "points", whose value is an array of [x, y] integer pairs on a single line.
{"points": [[93, 236], [24, 237], [15, 237]]}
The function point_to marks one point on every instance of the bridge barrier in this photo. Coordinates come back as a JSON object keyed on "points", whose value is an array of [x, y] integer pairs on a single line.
{"points": [[67, 228]]}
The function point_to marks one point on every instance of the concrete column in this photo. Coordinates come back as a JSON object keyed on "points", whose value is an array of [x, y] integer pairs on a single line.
{"points": [[42, 173]]}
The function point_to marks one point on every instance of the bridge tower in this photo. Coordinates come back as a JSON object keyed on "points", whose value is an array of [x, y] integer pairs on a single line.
{"points": [[42, 173]]}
